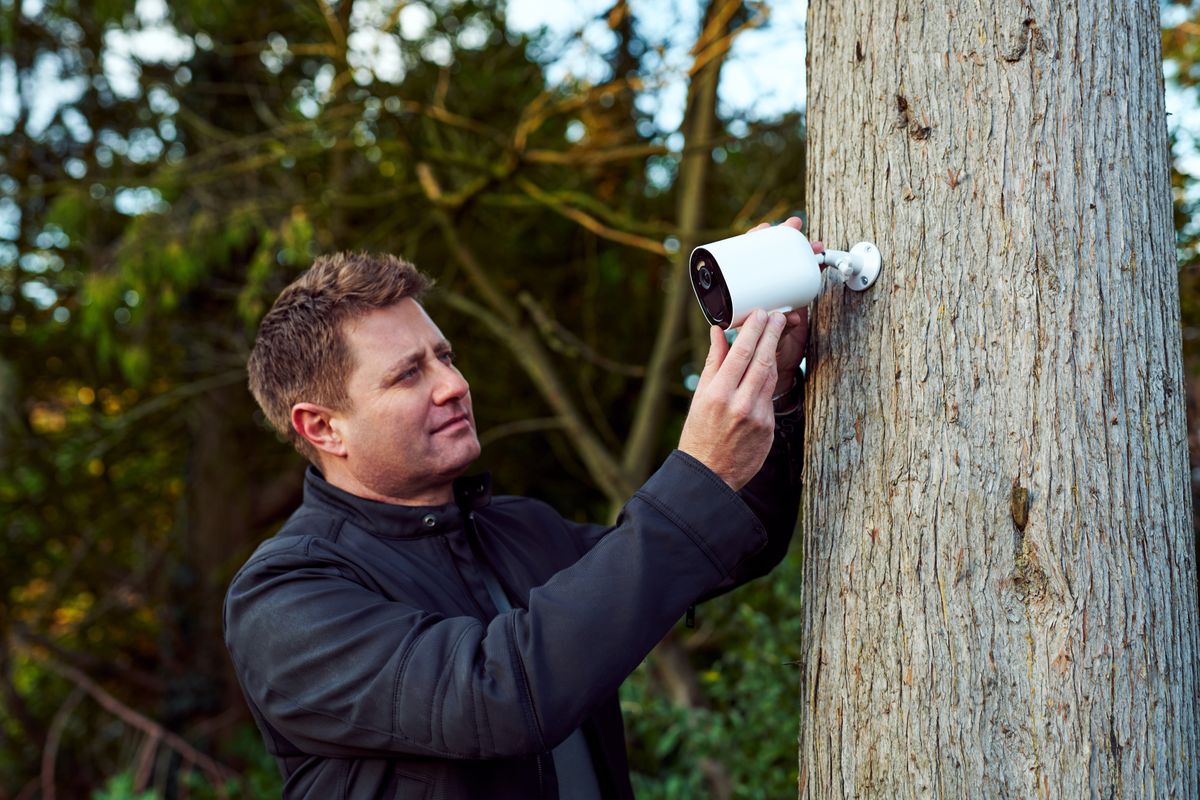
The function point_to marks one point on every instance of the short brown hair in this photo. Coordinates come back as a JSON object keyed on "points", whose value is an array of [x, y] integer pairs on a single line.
{"points": [[300, 354]]}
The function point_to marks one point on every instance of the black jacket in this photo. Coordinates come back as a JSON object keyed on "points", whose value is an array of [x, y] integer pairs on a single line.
{"points": [[375, 662]]}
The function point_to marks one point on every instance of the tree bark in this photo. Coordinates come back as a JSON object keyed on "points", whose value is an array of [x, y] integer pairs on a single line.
{"points": [[1000, 594]]}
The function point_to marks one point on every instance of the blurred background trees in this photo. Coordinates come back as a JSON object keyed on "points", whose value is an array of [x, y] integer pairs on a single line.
{"points": [[166, 170], [1181, 52]]}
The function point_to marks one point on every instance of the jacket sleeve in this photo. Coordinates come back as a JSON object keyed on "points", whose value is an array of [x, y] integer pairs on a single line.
{"points": [[774, 497], [339, 671]]}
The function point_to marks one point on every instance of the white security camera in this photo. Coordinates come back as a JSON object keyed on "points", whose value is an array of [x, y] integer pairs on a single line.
{"points": [[773, 269]]}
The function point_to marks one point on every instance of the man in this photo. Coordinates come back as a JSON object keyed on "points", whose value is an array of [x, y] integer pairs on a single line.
{"points": [[407, 635]]}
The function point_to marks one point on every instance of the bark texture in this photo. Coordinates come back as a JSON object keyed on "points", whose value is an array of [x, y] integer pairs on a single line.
{"points": [[1000, 593]]}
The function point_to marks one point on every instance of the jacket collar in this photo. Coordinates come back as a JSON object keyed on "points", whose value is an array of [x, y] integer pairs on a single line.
{"points": [[471, 492]]}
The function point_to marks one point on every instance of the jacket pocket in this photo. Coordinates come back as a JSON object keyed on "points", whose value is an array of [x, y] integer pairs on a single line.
{"points": [[411, 787]]}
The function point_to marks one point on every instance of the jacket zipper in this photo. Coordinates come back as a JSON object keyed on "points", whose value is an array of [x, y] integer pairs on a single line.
{"points": [[472, 532], [463, 580]]}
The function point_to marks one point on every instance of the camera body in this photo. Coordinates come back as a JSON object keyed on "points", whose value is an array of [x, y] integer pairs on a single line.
{"points": [[773, 269]]}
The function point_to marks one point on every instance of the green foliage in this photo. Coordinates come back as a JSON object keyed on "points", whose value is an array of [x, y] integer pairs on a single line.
{"points": [[69, 212], [259, 775], [121, 787], [748, 668]]}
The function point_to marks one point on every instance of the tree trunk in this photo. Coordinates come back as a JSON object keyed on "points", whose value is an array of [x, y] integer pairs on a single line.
{"points": [[1000, 594], [219, 521]]}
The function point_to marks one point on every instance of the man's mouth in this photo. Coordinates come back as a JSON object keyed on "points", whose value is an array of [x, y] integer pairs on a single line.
{"points": [[453, 424]]}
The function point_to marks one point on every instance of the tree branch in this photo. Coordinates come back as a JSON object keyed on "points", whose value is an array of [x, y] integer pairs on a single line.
{"points": [[53, 738], [589, 222], [145, 766], [594, 155], [14, 703], [144, 681], [492, 435], [475, 272], [716, 40], [534, 360], [567, 343], [651, 228], [216, 772], [502, 318], [546, 105], [116, 427]]}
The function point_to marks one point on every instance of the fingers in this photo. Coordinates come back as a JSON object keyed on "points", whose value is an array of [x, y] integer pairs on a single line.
{"points": [[791, 222], [727, 379], [750, 362], [798, 224], [761, 369], [730, 424], [795, 318], [718, 348]]}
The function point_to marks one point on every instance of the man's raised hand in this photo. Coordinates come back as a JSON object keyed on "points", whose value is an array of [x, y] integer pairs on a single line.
{"points": [[794, 341], [731, 422]]}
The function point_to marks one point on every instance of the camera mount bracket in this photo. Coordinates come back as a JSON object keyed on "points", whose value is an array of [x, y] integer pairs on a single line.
{"points": [[858, 268]]}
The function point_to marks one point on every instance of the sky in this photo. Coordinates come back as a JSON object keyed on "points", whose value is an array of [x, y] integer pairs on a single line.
{"points": [[763, 76]]}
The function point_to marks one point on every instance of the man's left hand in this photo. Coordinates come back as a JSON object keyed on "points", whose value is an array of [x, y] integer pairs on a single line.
{"points": [[794, 341]]}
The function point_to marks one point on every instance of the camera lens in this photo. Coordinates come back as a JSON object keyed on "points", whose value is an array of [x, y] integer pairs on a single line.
{"points": [[709, 285]]}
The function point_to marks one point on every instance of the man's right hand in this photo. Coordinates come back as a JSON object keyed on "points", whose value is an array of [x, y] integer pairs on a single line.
{"points": [[731, 423]]}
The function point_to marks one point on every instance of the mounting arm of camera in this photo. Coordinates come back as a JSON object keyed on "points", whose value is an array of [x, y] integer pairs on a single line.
{"points": [[858, 268], [774, 269]]}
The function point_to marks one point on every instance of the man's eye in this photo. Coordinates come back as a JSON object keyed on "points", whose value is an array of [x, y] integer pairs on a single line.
{"points": [[407, 375], [448, 357]]}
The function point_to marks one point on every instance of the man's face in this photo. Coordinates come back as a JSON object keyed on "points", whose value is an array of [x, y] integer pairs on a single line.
{"points": [[410, 430]]}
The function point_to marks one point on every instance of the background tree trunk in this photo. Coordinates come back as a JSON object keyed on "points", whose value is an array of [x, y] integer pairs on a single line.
{"points": [[1000, 593]]}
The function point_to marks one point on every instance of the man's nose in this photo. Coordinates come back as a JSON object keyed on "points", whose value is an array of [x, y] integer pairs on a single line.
{"points": [[450, 385]]}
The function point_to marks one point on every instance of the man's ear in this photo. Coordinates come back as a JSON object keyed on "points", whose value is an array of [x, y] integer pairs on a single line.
{"points": [[315, 424]]}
